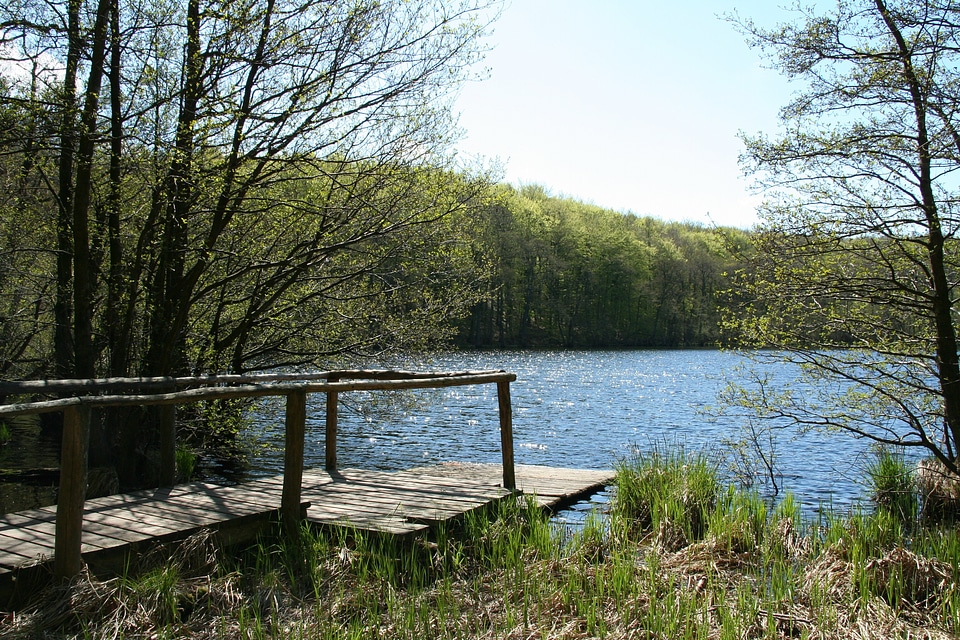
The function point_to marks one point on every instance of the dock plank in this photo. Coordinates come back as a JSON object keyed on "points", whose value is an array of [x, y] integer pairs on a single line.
{"points": [[383, 492], [400, 502], [551, 486]]}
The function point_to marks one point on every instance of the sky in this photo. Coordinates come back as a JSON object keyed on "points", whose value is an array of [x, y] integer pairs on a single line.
{"points": [[632, 105]]}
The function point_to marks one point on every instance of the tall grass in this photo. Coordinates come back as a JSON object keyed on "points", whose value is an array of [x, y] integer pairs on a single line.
{"points": [[681, 555], [186, 460], [893, 485], [669, 493]]}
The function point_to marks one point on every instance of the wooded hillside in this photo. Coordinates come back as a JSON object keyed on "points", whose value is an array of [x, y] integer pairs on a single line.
{"points": [[569, 274]]}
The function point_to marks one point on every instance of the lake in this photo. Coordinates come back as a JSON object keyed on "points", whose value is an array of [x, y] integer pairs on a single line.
{"points": [[584, 409]]}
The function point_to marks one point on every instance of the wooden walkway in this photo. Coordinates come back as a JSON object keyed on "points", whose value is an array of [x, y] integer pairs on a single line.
{"points": [[391, 502]]}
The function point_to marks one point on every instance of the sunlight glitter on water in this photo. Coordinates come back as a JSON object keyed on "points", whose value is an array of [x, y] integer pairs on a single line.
{"points": [[584, 409]]}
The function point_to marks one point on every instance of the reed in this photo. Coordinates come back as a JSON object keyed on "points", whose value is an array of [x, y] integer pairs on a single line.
{"points": [[670, 493], [893, 485], [742, 568]]}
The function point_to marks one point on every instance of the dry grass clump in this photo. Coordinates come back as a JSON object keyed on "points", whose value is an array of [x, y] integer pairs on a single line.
{"points": [[168, 590], [740, 569], [903, 577], [829, 577], [59, 606], [939, 491]]}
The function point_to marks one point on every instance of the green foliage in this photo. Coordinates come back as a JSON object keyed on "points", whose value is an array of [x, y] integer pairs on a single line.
{"points": [[739, 521], [259, 186], [186, 463], [671, 493], [214, 429], [570, 274], [4, 433]]}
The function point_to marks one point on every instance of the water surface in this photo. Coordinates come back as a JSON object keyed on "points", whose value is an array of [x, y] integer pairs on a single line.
{"points": [[584, 409]]}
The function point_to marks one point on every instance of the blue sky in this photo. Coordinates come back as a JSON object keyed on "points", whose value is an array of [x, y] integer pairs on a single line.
{"points": [[632, 105]]}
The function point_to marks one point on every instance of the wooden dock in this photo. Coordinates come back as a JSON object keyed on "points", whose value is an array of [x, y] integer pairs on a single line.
{"points": [[55, 542], [389, 502]]}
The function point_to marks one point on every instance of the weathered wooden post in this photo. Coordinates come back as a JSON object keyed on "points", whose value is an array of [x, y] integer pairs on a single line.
{"points": [[330, 440], [168, 445], [73, 487], [506, 435], [296, 421]]}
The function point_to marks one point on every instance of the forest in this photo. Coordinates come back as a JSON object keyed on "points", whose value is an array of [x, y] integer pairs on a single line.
{"points": [[513, 268], [204, 187], [563, 273]]}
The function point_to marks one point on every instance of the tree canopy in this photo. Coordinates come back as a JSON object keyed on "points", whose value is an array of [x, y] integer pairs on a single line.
{"points": [[205, 186], [569, 274]]}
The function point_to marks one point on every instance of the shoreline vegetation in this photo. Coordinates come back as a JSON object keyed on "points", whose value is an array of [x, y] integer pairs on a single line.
{"points": [[680, 555]]}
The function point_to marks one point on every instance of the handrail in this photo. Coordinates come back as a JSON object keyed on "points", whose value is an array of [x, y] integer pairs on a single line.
{"points": [[254, 390], [14, 387], [296, 387]]}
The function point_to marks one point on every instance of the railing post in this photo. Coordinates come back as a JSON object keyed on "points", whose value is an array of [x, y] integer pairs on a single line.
{"points": [[296, 420], [168, 445], [506, 435], [73, 487], [330, 442]]}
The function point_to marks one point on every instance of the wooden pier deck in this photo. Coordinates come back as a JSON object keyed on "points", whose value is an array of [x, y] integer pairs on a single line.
{"points": [[391, 502]]}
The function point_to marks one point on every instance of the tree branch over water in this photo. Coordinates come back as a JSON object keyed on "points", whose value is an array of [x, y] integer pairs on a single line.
{"points": [[855, 263]]}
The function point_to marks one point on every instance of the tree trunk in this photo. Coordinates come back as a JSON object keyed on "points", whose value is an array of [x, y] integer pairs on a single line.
{"points": [[63, 306], [83, 268], [168, 292], [946, 338]]}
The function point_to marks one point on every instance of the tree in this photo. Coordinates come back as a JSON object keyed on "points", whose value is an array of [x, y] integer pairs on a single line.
{"points": [[855, 269], [230, 186], [571, 274], [183, 133]]}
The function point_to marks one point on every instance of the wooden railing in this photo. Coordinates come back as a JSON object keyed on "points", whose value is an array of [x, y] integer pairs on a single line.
{"points": [[169, 392]]}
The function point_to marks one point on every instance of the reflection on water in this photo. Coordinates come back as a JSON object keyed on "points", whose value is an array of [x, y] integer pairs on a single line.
{"points": [[29, 462], [583, 409], [573, 519]]}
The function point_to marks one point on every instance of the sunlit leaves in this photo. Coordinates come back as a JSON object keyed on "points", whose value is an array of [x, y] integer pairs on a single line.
{"points": [[274, 187]]}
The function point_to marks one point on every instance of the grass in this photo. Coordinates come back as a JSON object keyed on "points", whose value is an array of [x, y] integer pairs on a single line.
{"points": [[186, 460], [681, 555], [893, 485]]}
